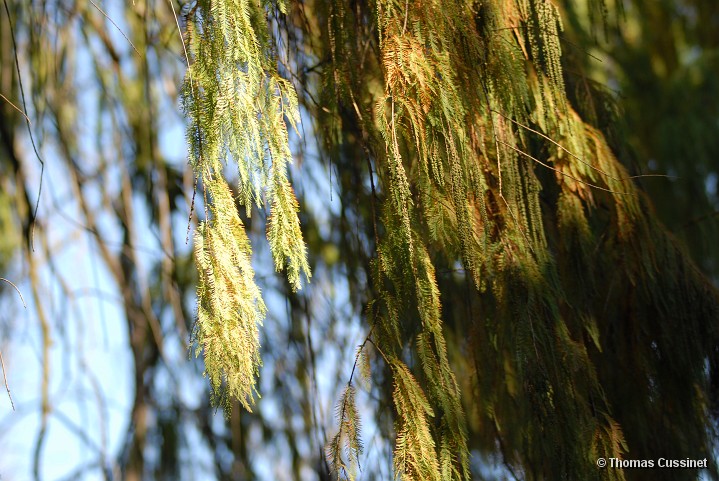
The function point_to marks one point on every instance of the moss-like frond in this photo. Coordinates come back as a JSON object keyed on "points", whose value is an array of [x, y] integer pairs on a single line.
{"points": [[230, 306], [237, 105], [414, 454], [345, 447]]}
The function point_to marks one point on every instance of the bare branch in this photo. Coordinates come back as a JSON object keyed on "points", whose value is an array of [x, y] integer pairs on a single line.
{"points": [[116, 26], [544, 164], [7, 387], [27, 120], [18, 291], [2, 362], [16, 108]]}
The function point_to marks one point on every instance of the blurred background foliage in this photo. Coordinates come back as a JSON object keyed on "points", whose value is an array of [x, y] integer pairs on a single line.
{"points": [[98, 362], [658, 60]]}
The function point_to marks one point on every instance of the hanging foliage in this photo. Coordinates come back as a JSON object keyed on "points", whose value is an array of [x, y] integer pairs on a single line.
{"points": [[584, 320], [237, 103]]}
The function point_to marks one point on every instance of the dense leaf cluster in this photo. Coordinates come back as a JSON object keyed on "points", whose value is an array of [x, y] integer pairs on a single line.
{"points": [[583, 318]]}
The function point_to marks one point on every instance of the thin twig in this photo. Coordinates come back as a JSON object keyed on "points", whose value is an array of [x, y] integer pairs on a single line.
{"points": [[571, 44], [578, 47], [116, 26], [365, 136], [15, 107], [2, 362], [699, 219], [27, 122], [499, 168], [359, 352], [192, 92], [354, 368], [520, 151], [349, 382], [546, 137], [18, 291], [618, 179], [503, 451], [7, 387], [182, 40], [192, 211]]}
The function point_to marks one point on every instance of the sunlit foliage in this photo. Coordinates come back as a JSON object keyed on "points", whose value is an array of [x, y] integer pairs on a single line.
{"points": [[519, 299], [477, 158]]}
